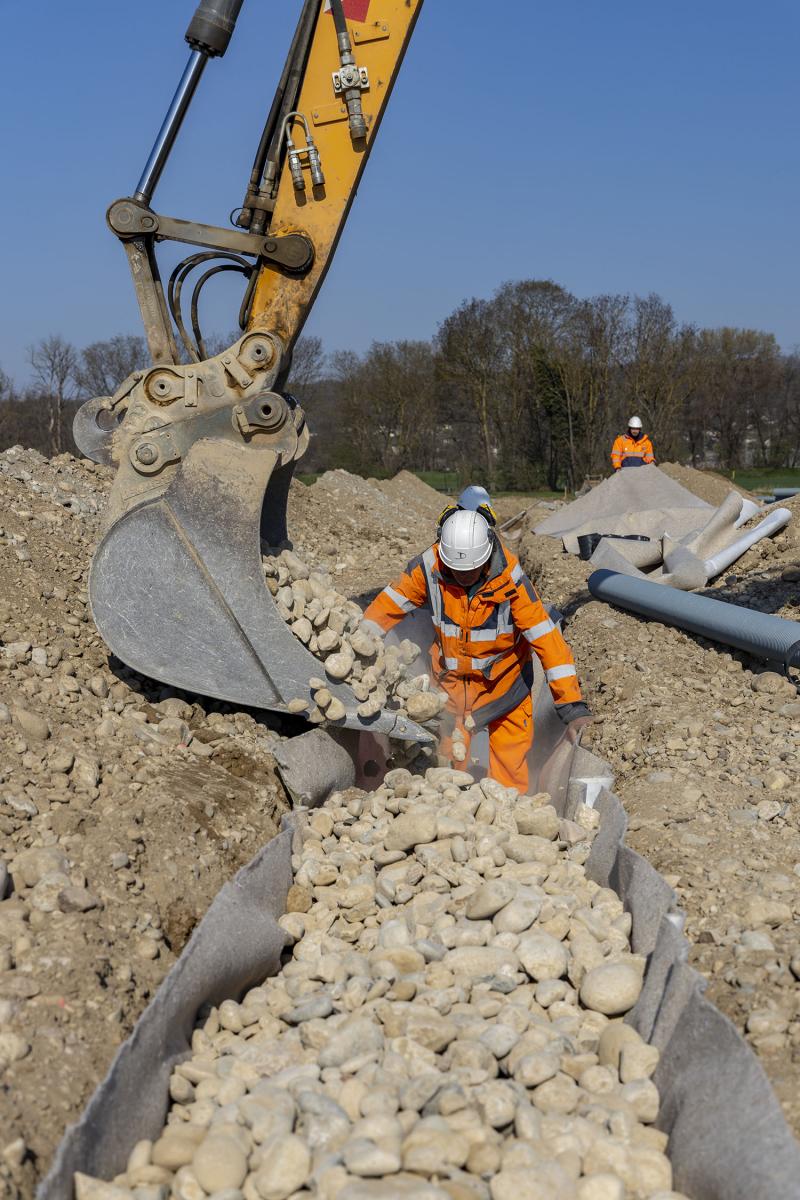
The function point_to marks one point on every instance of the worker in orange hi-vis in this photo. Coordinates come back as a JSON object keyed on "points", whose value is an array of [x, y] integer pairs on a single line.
{"points": [[487, 621], [632, 449]]}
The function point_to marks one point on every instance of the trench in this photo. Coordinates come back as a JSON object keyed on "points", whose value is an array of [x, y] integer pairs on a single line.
{"points": [[728, 1139]]}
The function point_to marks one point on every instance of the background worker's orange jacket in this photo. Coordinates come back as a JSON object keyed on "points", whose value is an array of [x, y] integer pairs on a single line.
{"points": [[481, 654], [627, 452]]}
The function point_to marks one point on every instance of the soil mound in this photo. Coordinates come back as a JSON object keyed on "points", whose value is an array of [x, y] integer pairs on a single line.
{"points": [[406, 488], [708, 485]]}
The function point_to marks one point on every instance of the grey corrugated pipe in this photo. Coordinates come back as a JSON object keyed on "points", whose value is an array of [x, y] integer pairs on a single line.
{"points": [[772, 638]]}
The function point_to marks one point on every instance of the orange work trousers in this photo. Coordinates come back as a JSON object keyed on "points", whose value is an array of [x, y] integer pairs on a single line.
{"points": [[510, 740]]}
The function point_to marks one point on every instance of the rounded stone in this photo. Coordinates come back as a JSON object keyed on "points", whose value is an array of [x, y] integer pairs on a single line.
{"points": [[414, 828], [542, 956], [557, 1095], [600, 1187], [286, 1166], [176, 1147], [489, 899], [219, 1162], [368, 1159], [339, 666], [13, 1048], [612, 988], [422, 706]]}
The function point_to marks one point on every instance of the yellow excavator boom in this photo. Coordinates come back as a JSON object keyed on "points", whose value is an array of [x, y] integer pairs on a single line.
{"points": [[205, 446]]}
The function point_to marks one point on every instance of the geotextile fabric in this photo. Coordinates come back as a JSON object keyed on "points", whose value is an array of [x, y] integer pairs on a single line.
{"points": [[728, 1138], [685, 534]]}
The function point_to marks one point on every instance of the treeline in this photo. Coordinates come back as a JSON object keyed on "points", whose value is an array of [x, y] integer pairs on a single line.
{"points": [[531, 386], [525, 389]]}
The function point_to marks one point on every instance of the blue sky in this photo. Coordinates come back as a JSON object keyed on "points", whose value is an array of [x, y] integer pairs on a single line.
{"points": [[629, 145]]}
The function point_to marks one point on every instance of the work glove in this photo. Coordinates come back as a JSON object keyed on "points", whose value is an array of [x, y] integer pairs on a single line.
{"points": [[576, 717]]}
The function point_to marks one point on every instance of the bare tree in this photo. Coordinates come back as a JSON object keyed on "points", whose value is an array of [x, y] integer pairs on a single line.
{"points": [[738, 375], [103, 366], [470, 349], [6, 387], [308, 363], [54, 362], [659, 376]]}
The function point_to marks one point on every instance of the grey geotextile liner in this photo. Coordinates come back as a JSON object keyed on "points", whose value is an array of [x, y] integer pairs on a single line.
{"points": [[728, 1137], [315, 764]]}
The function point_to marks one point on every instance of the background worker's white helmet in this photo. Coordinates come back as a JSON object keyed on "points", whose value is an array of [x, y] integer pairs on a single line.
{"points": [[473, 497], [635, 423], [465, 541]]}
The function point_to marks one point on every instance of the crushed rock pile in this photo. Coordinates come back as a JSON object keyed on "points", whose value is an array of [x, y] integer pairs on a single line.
{"points": [[335, 519], [446, 1029], [124, 807]]}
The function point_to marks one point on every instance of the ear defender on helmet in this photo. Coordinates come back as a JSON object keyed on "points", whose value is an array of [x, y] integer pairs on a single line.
{"points": [[446, 512], [488, 514]]}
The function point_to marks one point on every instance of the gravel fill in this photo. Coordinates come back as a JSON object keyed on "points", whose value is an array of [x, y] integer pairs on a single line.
{"points": [[447, 1026]]}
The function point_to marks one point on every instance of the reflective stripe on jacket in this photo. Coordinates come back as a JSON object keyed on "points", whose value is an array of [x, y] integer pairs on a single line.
{"points": [[628, 452], [481, 654]]}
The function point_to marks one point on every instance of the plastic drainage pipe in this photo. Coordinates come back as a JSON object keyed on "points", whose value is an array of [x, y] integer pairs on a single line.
{"points": [[749, 510], [785, 493], [771, 638], [771, 524]]}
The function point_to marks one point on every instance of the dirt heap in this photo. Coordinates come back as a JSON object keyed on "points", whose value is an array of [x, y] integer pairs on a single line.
{"points": [[407, 490], [341, 516], [123, 809], [708, 485]]}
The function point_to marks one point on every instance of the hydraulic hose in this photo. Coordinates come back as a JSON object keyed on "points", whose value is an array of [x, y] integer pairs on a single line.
{"points": [[773, 639], [283, 102], [339, 20]]}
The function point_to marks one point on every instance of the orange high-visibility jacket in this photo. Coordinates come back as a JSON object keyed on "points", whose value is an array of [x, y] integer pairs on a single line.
{"points": [[627, 452], [481, 654]]}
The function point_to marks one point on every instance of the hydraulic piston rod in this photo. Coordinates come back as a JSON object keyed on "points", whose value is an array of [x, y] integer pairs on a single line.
{"points": [[209, 33], [172, 123]]}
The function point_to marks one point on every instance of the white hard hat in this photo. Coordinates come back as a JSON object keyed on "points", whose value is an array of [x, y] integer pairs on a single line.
{"points": [[465, 542], [635, 423], [473, 497]]}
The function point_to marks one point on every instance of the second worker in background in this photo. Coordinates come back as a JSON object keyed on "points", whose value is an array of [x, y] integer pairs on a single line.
{"points": [[632, 449], [487, 620]]}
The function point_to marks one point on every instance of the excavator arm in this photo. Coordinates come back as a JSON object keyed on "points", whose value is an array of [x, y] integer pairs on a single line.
{"points": [[205, 447]]}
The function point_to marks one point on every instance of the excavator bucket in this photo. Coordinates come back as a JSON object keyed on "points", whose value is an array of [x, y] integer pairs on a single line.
{"points": [[176, 585]]}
